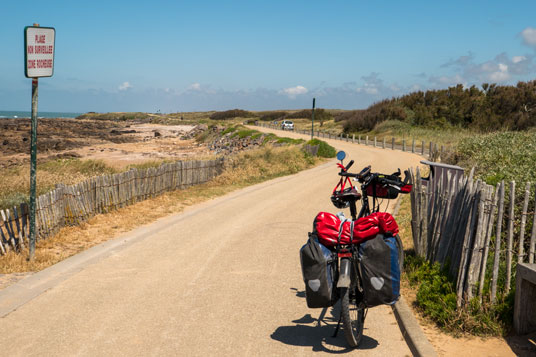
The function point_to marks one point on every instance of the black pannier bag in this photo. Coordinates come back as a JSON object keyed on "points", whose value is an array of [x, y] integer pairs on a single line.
{"points": [[318, 270], [380, 269]]}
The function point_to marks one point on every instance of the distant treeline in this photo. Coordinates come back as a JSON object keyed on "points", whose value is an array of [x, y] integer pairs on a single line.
{"points": [[320, 114], [491, 108]]}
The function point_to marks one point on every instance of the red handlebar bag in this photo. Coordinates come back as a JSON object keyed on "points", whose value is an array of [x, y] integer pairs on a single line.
{"points": [[327, 227]]}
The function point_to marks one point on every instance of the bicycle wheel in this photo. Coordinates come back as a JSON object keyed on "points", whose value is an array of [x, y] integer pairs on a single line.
{"points": [[353, 314]]}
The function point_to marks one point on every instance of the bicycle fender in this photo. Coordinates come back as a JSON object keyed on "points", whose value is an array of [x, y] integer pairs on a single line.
{"points": [[344, 274]]}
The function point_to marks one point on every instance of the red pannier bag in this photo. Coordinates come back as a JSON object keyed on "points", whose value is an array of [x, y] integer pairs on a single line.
{"points": [[327, 227]]}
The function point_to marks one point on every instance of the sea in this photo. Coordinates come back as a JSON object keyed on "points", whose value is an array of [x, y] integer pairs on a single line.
{"points": [[20, 114]]}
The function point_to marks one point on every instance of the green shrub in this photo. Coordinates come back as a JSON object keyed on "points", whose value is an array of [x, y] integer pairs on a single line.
{"points": [[320, 115], [231, 114], [436, 299], [324, 149], [229, 130], [289, 141], [244, 133], [271, 116]]}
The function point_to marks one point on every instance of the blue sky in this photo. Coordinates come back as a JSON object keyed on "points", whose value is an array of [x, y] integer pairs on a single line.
{"points": [[258, 55]]}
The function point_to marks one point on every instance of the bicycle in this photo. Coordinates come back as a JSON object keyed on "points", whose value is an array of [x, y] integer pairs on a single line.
{"points": [[350, 282]]}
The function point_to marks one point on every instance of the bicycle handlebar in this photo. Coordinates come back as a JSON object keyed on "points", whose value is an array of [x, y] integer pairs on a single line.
{"points": [[365, 176]]}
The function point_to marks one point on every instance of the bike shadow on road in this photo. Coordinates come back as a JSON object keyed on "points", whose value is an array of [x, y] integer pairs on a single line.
{"points": [[318, 332]]}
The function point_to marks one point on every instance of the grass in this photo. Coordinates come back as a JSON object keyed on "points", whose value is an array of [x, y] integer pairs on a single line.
{"points": [[329, 126], [448, 136], [244, 169], [499, 156], [324, 149], [16, 186]]}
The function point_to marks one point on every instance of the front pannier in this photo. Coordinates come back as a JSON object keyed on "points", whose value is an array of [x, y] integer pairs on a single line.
{"points": [[318, 270], [380, 269]]}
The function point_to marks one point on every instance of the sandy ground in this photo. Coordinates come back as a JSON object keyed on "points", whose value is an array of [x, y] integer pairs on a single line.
{"points": [[147, 147], [118, 143]]}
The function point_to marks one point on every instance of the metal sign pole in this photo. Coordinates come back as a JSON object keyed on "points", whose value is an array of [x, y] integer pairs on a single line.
{"points": [[313, 120], [33, 166]]}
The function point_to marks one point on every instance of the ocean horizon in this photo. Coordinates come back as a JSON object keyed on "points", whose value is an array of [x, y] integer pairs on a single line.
{"points": [[14, 114]]}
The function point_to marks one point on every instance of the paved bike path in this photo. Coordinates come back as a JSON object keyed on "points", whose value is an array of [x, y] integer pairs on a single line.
{"points": [[222, 278]]}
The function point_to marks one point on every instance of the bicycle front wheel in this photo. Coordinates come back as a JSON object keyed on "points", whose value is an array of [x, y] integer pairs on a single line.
{"points": [[353, 315]]}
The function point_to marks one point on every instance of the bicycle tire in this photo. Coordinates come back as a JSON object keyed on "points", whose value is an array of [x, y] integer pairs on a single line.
{"points": [[353, 317]]}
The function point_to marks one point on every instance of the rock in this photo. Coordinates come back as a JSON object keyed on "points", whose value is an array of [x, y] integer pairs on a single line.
{"points": [[157, 134]]}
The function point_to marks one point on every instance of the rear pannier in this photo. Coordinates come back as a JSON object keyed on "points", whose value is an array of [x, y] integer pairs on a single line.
{"points": [[318, 270], [380, 269]]}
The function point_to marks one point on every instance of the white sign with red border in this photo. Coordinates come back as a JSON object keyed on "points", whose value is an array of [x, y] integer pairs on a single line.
{"points": [[39, 51]]}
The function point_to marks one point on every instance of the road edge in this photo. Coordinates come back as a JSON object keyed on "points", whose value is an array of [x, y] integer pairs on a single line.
{"points": [[408, 324], [411, 330]]}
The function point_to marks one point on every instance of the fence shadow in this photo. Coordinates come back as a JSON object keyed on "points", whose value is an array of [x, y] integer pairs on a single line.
{"points": [[318, 332], [524, 345]]}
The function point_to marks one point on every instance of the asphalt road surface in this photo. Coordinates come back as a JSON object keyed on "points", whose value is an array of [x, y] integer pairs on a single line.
{"points": [[222, 278]]}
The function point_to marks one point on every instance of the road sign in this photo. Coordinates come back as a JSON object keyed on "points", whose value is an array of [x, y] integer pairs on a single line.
{"points": [[38, 62], [39, 51]]}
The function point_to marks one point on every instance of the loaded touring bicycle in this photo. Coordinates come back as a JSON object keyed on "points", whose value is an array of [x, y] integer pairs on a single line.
{"points": [[356, 260]]}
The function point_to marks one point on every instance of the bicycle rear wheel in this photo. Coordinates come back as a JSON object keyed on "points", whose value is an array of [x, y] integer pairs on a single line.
{"points": [[353, 314]]}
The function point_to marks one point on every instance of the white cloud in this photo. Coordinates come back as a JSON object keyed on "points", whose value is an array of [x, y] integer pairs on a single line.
{"points": [[125, 86], [292, 92], [517, 59], [195, 86], [529, 36], [373, 84], [501, 75], [371, 90], [500, 69]]}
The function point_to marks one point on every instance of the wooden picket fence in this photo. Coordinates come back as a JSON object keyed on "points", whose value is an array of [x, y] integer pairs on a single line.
{"points": [[71, 205], [459, 223]]}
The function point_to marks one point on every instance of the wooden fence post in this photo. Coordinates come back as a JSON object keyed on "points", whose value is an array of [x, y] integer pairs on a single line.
{"points": [[521, 252], [489, 229], [497, 255], [393, 144], [510, 237], [533, 234]]}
